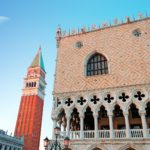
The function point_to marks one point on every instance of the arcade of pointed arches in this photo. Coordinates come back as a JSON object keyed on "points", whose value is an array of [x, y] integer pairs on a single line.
{"points": [[102, 115], [123, 111]]}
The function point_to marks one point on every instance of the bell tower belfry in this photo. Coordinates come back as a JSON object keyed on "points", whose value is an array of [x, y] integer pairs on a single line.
{"points": [[29, 119]]}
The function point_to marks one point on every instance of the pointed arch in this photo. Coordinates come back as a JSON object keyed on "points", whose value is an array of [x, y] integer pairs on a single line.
{"points": [[61, 118], [75, 120], [59, 109], [96, 148], [134, 117], [147, 110], [95, 64], [118, 118], [129, 147], [85, 107], [145, 103], [100, 146], [118, 112], [88, 115], [103, 120], [129, 104]]}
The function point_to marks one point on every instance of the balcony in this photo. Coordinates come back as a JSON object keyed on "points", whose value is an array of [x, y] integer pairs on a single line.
{"points": [[105, 134]]}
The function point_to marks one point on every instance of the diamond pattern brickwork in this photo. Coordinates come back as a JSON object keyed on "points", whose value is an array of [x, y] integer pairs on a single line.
{"points": [[128, 59]]}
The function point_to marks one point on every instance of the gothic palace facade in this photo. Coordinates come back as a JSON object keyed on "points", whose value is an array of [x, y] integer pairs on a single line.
{"points": [[102, 86]]}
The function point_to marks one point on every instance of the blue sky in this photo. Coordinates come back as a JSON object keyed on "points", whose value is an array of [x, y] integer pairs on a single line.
{"points": [[26, 24]]}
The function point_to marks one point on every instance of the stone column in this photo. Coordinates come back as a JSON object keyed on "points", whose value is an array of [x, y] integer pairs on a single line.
{"points": [[8, 147], [126, 117], [54, 125], [111, 125], [64, 128], [81, 125], [60, 125], [3, 147], [68, 125], [96, 125], [144, 123]]}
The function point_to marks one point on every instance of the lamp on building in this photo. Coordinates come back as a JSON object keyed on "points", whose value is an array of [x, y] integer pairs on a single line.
{"points": [[66, 142], [56, 131], [46, 143], [55, 145]]}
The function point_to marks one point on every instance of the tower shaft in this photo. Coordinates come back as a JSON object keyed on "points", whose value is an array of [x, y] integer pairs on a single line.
{"points": [[29, 119]]}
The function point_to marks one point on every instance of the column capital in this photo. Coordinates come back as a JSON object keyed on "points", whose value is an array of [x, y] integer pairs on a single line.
{"points": [[95, 115], [81, 116], [110, 114], [142, 112], [125, 114], [68, 116]]}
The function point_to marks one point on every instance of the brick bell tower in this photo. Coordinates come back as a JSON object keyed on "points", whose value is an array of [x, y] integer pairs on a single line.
{"points": [[31, 106]]}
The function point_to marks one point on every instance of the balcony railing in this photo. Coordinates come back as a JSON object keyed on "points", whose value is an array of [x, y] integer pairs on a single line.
{"points": [[88, 134], [137, 133], [74, 134], [105, 134], [120, 134]]}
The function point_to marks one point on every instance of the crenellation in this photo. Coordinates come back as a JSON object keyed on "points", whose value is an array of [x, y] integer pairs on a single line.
{"points": [[103, 25]]}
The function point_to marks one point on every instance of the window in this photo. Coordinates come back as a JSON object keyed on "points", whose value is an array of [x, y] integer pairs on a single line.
{"points": [[103, 112], [134, 111], [34, 84], [30, 84], [97, 65], [27, 84], [136, 32], [118, 112], [78, 44]]}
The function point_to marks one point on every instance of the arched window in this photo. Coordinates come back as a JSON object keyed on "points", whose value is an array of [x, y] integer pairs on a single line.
{"points": [[34, 84], [97, 64], [27, 84]]}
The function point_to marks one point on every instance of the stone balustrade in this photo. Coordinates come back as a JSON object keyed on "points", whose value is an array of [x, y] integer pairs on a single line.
{"points": [[105, 134]]}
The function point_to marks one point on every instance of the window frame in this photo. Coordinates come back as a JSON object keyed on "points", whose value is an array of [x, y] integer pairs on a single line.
{"points": [[96, 64]]}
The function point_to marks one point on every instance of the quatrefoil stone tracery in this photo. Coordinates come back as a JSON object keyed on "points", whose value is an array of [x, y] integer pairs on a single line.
{"points": [[109, 98], [139, 95], [68, 102], [81, 101], [58, 102], [94, 99], [124, 97]]}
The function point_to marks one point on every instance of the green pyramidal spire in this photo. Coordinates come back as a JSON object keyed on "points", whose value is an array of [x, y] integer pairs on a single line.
{"points": [[38, 60]]}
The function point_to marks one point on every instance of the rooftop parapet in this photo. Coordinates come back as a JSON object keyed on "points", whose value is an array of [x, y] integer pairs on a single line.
{"points": [[4, 135], [62, 34]]}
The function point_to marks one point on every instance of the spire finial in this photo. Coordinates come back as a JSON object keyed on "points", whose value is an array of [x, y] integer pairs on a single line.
{"points": [[39, 50], [38, 60]]}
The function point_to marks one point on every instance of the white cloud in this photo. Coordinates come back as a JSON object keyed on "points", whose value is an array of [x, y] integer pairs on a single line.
{"points": [[4, 19]]}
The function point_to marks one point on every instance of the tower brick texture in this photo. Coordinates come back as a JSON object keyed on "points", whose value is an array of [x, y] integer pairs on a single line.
{"points": [[29, 119]]}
